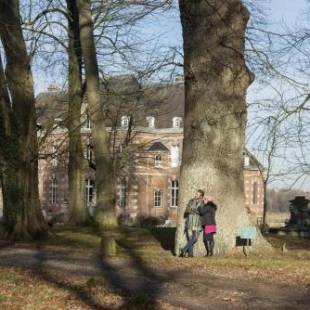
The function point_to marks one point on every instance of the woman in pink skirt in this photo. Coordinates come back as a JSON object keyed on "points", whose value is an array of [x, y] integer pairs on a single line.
{"points": [[207, 213]]}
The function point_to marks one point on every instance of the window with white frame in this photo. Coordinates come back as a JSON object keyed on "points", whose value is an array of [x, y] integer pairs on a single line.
{"points": [[175, 156], [150, 121], [157, 161], [54, 156], [123, 193], [246, 160], [174, 193], [176, 122], [90, 191], [54, 190], [125, 121], [89, 152], [157, 198]]}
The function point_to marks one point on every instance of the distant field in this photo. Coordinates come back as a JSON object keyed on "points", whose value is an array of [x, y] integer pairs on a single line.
{"points": [[277, 219]]}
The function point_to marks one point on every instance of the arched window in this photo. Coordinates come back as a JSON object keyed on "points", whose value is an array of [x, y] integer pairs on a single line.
{"points": [[157, 161], [157, 198], [54, 190], [123, 193], [255, 193], [174, 193], [90, 191]]}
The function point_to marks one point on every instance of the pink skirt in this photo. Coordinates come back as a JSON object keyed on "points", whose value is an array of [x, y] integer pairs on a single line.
{"points": [[210, 229]]}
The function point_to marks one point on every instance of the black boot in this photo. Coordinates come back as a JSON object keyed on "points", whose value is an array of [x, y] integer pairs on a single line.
{"points": [[208, 248], [211, 247]]}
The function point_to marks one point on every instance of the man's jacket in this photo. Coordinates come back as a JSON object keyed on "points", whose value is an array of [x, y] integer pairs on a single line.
{"points": [[192, 215]]}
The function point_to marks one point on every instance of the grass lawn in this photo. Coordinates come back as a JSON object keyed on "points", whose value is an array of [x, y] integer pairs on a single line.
{"points": [[22, 288]]}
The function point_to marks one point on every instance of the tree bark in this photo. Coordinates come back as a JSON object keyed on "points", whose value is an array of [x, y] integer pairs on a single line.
{"points": [[105, 200], [77, 203], [216, 81], [19, 148]]}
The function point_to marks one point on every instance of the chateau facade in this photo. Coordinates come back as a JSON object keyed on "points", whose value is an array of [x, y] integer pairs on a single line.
{"points": [[148, 183]]}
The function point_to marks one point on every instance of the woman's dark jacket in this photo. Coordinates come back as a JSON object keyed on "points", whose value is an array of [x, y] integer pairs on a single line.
{"points": [[207, 213]]}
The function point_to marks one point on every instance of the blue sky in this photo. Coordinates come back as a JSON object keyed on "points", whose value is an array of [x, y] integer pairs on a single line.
{"points": [[166, 31]]}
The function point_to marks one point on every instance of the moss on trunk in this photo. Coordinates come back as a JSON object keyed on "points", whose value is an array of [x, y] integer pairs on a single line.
{"points": [[19, 148], [105, 213], [77, 203]]}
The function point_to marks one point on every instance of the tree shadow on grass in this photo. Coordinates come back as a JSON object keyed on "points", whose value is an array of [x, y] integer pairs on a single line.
{"points": [[129, 276], [165, 236]]}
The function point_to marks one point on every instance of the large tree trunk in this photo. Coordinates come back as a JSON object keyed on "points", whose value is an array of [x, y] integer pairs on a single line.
{"points": [[78, 211], [105, 213], [19, 149], [216, 81]]}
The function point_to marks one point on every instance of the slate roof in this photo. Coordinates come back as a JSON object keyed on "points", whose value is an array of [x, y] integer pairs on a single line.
{"points": [[124, 96]]}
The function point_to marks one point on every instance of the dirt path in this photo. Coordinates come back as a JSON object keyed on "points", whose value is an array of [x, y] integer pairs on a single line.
{"points": [[180, 290]]}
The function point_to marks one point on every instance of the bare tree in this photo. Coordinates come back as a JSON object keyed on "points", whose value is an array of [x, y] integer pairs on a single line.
{"points": [[105, 197], [19, 149]]}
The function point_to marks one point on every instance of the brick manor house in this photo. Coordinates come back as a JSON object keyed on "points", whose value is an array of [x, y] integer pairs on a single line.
{"points": [[146, 136]]}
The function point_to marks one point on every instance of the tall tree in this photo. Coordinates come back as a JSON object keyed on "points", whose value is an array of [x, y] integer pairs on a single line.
{"points": [[75, 97], [216, 81], [18, 136], [105, 200]]}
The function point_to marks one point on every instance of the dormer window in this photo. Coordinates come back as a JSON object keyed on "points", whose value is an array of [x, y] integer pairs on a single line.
{"points": [[150, 121], [157, 161], [246, 160], [124, 121], [176, 122]]}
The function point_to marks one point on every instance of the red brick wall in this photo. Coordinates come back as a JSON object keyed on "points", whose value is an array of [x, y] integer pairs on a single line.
{"points": [[144, 178]]}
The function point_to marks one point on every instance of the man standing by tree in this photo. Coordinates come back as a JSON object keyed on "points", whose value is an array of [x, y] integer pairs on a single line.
{"points": [[193, 223]]}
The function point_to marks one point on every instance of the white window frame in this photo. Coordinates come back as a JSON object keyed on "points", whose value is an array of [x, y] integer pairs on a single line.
{"points": [[125, 121], [150, 121], [89, 152], [90, 191], [157, 198], [175, 156], [246, 160], [176, 122], [157, 161], [174, 193]]}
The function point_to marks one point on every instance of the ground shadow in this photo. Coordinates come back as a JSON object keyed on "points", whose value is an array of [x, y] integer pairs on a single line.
{"points": [[165, 236], [128, 276]]}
